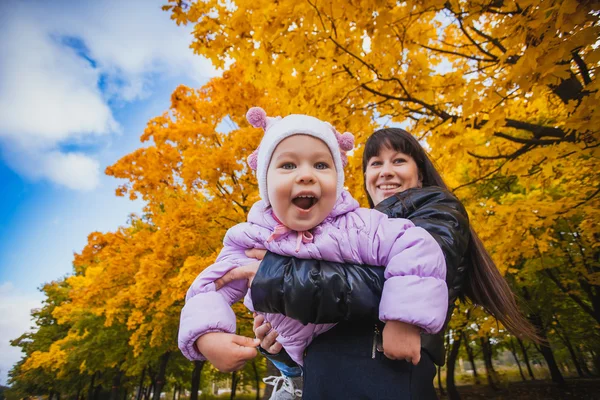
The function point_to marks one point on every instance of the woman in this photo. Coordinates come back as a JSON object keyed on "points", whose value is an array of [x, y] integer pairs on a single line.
{"points": [[401, 182]]}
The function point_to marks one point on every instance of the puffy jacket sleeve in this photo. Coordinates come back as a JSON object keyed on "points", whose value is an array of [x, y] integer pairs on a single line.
{"points": [[207, 310], [415, 288], [441, 214], [333, 292]]}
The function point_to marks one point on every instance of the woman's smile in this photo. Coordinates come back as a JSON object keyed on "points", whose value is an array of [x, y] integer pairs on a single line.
{"points": [[390, 172]]}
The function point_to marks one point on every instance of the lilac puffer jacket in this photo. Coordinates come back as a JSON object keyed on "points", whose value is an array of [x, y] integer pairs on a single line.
{"points": [[414, 292]]}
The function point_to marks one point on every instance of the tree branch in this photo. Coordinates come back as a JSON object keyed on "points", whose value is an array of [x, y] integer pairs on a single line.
{"points": [[456, 54], [585, 73], [533, 140]]}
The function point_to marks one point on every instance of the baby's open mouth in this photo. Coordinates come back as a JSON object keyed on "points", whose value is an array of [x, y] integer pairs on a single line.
{"points": [[305, 202]]}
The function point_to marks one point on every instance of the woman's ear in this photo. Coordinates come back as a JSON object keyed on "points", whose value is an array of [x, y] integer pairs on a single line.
{"points": [[420, 183]]}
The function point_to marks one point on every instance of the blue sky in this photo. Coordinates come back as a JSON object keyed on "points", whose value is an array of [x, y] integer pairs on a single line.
{"points": [[78, 83]]}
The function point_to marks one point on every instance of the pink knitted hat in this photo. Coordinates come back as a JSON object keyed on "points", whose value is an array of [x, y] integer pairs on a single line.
{"points": [[277, 129]]}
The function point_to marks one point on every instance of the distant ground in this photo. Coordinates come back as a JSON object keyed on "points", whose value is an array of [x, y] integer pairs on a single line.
{"points": [[534, 390]]}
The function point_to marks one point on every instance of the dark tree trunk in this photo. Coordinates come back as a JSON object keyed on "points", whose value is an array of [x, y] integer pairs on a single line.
{"points": [[439, 376], [234, 382], [471, 359], [271, 370], [526, 359], [574, 358], [546, 351], [563, 336], [513, 350], [91, 388], [596, 361], [196, 374], [97, 392], [160, 377], [450, 383], [256, 378], [583, 363], [486, 349], [141, 385], [116, 385]]}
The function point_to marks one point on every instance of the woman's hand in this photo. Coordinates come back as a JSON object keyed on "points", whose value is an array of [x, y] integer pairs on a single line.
{"points": [[244, 272], [266, 335], [226, 351], [402, 341]]}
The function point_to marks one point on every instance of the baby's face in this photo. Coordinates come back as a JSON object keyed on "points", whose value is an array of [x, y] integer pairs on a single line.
{"points": [[301, 182]]}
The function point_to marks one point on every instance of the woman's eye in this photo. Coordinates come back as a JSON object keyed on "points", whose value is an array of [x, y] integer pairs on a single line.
{"points": [[321, 165], [375, 163], [399, 160], [288, 166]]}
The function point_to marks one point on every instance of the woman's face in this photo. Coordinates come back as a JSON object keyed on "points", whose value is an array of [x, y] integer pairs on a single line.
{"points": [[390, 172]]}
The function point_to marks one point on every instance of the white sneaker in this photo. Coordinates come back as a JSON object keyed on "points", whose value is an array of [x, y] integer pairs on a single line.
{"points": [[284, 388]]}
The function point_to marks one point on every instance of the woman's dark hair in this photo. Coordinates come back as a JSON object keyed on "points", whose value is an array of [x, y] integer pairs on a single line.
{"points": [[484, 285]]}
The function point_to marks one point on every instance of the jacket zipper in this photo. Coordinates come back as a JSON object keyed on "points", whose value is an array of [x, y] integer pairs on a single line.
{"points": [[375, 338]]}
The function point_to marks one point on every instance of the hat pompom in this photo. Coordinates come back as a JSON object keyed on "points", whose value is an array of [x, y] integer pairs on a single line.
{"points": [[344, 158], [253, 160], [346, 141], [257, 117]]}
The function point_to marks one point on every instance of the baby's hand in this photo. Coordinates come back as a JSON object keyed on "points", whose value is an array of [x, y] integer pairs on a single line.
{"points": [[402, 341], [225, 351]]}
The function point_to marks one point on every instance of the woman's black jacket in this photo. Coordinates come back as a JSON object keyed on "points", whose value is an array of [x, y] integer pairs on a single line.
{"points": [[313, 291]]}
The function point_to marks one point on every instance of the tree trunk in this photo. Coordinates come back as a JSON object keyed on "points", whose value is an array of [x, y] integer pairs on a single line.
{"points": [[564, 338], [196, 374], [513, 350], [574, 357], [595, 361], [526, 359], [486, 349], [141, 385], [271, 370], [234, 382], [97, 392], [91, 388], [439, 376], [256, 378], [471, 359], [450, 383], [583, 362], [160, 377], [546, 351], [116, 386]]}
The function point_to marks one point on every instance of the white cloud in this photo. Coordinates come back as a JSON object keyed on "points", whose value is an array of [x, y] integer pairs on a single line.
{"points": [[63, 64], [49, 93], [15, 308], [73, 170]]}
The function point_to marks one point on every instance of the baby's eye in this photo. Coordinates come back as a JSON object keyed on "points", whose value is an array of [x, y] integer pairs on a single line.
{"points": [[321, 165], [288, 165]]}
